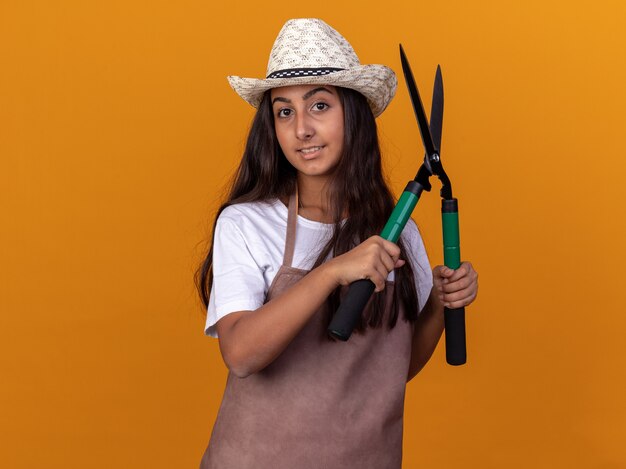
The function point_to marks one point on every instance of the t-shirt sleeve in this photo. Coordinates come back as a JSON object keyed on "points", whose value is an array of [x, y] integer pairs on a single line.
{"points": [[419, 260], [238, 283]]}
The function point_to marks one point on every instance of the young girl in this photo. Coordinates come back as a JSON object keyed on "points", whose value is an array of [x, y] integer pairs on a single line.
{"points": [[300, 223]]}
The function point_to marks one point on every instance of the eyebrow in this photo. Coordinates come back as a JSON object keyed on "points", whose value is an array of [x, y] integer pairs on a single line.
{"points": [[305, 96]]}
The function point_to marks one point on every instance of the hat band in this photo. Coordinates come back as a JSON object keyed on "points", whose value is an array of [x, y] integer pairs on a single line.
{"points": [[303, 72]]}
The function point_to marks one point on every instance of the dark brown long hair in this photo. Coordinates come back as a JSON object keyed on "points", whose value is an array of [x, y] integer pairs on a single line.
{"points": [[357, 188]]}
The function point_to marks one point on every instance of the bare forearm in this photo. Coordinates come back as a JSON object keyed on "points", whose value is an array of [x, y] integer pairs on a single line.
{"points": [[256, 338], [251, 340], [452, 288], [428, 329]]}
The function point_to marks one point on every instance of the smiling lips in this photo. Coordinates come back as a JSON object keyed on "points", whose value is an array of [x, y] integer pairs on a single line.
{"points": [[310, 152]]}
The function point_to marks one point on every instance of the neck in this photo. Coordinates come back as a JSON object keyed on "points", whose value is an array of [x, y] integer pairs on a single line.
{"points": [[313, 200]]}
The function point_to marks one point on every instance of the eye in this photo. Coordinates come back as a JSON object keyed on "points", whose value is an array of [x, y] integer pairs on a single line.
{"points": [[321, 106], [284, 112]]}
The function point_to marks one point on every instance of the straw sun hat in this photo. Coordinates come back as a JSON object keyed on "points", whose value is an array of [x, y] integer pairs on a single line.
{"points": [[310, 52]]}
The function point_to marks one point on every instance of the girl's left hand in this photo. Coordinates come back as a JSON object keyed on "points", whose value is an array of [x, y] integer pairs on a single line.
{"points": [[456, 288]]}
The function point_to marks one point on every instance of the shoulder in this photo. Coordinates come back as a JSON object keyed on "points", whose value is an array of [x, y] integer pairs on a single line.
{"points": [[414, 244], [411, 235], [256, 222], [253, 213]]}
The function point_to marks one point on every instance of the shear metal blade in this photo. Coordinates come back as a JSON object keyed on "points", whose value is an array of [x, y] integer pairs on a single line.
{"points": [[418, 107], [436, 111]]}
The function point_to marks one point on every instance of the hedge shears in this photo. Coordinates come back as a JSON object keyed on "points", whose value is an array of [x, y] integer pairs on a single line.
{"points": [[345, 319]]}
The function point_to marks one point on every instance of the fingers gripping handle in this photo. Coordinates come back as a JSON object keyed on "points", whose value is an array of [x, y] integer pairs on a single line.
{"points": [[456, 353], [349, 312], [350, 309]]}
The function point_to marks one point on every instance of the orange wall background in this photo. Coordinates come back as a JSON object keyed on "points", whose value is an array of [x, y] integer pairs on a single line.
{"points": [[118, 131]]}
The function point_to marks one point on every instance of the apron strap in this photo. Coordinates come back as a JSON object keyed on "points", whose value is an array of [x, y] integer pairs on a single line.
{"points": [[292, 220]]}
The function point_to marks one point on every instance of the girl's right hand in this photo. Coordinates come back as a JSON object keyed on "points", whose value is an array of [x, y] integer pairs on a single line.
{"points": [[373, 259]]}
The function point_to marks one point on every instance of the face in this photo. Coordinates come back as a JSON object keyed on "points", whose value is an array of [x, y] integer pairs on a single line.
{"points": [[309, 126]]}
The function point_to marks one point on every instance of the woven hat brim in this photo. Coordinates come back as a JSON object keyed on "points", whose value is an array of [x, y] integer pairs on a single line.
{"points": [[377, 83]]}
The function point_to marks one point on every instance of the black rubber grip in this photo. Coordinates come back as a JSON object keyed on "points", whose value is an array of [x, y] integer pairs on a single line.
{"points": [[349, 312], [456, 353]]}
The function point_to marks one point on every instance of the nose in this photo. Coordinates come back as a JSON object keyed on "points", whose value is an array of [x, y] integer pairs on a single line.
{"points": [[304, 127]]}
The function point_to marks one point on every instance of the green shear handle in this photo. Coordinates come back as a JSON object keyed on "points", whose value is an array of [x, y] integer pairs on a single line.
{"points": [[349, 312], [351, 308], [456, 353]]}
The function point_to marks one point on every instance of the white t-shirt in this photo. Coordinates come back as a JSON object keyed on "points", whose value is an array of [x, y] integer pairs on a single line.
{"points": [[248, 250]]}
